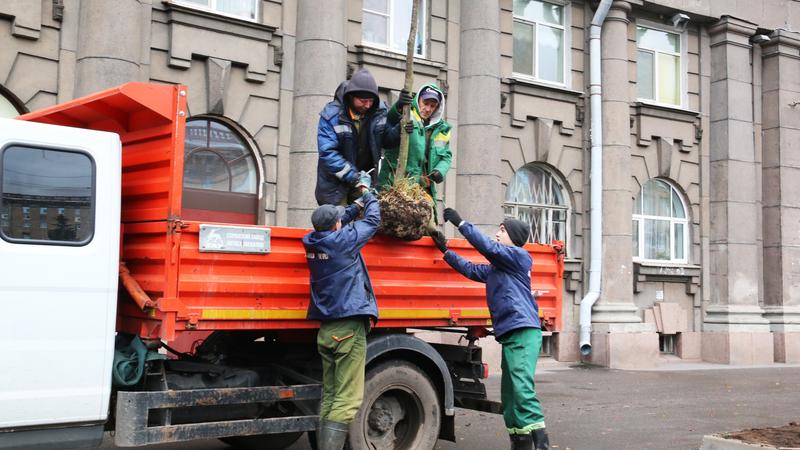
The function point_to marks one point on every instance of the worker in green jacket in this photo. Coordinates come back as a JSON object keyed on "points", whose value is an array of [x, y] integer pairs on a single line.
{"points": [[429, 153]]}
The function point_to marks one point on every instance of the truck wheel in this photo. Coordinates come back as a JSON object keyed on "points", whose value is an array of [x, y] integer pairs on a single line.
{"points": [[278, 441], [401, 410]]}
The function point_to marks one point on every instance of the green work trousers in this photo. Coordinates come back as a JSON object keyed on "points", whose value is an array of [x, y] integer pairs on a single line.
{"points": [[342, 344], [522, 411]]}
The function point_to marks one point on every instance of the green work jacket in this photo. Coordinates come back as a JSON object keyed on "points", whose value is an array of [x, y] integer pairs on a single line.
{"points": [[428, 146]]}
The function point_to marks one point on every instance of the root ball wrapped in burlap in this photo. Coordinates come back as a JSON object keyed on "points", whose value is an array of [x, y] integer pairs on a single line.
{"points": [[405, 211]]}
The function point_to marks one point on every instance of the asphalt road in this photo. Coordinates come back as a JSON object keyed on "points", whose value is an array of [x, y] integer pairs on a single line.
{"points": [[597, 409]]}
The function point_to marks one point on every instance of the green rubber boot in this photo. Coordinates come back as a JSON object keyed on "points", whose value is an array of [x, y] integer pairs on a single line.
{"points": [[331, 435]]}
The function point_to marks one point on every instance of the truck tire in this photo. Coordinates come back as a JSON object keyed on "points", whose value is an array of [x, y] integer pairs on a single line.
{"points": [[401, 410], [278, 441]]}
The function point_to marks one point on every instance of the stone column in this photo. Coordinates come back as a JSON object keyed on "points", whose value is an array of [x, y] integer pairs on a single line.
{"points": [[478, 185], [109, 44], [619, 338], [735, 332], [781, 186], [320, 64]]}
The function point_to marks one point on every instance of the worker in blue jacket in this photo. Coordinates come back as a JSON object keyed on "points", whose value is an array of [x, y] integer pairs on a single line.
{"points": [[515, 318], [351, 134], [342, 298]]}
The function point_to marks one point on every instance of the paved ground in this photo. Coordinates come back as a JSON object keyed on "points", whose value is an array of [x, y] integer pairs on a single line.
{"points": [[590, 408]]}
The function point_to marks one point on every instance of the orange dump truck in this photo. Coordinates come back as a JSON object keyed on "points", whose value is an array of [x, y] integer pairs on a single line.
{"points": [[120, 257]]}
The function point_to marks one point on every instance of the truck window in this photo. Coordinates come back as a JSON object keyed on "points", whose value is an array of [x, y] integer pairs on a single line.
{"points": [[47, 196]]}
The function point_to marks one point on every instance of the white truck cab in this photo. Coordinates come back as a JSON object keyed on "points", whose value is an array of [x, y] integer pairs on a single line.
{"points": [[59, 259]]}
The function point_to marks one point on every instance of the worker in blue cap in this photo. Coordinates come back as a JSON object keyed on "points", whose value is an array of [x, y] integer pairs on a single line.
{"points": [[342, 298]]}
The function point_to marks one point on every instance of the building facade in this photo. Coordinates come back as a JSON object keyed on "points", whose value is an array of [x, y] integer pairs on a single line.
{"points": [[700, 150]]}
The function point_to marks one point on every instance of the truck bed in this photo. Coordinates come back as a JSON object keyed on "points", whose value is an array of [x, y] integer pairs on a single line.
{"points": [[414, 286], [171, 286]]}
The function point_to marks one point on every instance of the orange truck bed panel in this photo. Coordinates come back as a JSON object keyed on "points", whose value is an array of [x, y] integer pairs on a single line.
{"points": [[194, 291]]}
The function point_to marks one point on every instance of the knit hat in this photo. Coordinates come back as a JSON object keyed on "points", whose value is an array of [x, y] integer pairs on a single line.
{"points": [[518, 231], [362, 84], [325, 217]]}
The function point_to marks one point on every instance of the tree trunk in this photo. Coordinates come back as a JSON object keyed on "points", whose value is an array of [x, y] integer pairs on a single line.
{"points": [[402, 158]]}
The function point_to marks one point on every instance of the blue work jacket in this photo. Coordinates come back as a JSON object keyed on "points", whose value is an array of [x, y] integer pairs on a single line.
{"points": [[338, 144], [340, 285], [507, 278]]}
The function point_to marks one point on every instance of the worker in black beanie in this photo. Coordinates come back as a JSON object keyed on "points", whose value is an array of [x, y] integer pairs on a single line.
{"points": [[515, 318], [518, 231]]}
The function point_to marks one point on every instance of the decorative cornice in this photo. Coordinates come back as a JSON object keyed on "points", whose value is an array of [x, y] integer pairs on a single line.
{"points": [[240, 41], [730, 24], [783, 43], [665, 112], [674, 126], [197, 18], [542, 90], [363, 55], [548, 103], [689, 275]]}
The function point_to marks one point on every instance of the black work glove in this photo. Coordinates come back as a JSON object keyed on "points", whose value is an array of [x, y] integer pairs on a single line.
{"points": [[409, 127], [439, 240], [436, 177], [451, 215], [403, 99]]}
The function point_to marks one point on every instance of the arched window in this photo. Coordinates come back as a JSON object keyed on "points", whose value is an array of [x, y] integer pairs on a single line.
{"points": [[220, 173], [536, 196], [660, 224], [9, 107]]}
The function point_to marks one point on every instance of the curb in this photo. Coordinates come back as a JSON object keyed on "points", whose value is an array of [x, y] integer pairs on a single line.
{"points": [[714, 442]]}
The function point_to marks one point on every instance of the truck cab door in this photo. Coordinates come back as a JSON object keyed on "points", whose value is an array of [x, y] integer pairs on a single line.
{"points": [[59, 258]]}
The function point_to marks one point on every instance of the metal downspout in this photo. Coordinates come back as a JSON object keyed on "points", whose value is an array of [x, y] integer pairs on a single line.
{"points": [[596, 176]]}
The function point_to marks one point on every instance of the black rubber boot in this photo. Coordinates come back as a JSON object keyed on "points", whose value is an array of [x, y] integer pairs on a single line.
{"points": [[540, 439], [521, 442], [331, 435]]}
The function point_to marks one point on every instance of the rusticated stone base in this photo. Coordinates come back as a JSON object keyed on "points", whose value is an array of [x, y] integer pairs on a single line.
{"points": [[738, 348]]}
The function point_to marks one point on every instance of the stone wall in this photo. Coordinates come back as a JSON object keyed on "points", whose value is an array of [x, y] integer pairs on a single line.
{"points": [[545, 124]]}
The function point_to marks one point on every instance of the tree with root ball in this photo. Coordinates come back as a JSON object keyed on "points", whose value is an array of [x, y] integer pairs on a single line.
{"points": [[406, 208]]}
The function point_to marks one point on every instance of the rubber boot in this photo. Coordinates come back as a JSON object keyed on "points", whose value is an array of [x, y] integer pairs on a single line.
{"points": [[540, 439], [331, 435], [521, 442]]}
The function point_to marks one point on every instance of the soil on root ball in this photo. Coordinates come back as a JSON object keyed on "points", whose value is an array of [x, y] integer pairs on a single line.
{"points": [[780, 437], [405, 211]]}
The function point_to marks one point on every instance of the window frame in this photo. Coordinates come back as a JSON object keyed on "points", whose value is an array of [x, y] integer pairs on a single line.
{"points": [[387, 47], [684, 64], [566, 207], [92, 209], [252, 147], [567, 46], [12, 99], [211, 8], [640, 219], [191, 195]]}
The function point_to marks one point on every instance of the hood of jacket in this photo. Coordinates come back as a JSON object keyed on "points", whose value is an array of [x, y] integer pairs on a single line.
{"points": [[338, 95], [317, 238], [361, 81], [437, 115]]}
